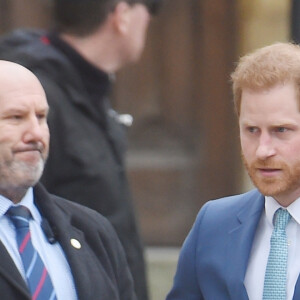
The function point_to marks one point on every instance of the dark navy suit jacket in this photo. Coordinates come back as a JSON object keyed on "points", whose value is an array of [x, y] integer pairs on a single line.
{"points": [[99, 267], [214, 257]]}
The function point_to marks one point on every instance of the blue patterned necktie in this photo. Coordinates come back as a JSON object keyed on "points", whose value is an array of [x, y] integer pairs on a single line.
{"points": [[276, 271], [38, 279]]}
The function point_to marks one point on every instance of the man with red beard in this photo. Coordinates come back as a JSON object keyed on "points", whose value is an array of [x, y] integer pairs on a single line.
{"points": [[246, 246]]}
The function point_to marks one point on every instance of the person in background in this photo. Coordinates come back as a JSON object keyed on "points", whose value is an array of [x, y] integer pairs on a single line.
{"points": [[50, 248], [246, 246], [76, 61]]}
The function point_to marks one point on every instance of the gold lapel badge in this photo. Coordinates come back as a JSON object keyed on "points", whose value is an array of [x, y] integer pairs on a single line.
{"points": [[75, 243]]}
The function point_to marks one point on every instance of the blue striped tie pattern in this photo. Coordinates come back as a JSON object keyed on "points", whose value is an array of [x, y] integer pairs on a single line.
{"points": [[38, 279], [276, 271]]}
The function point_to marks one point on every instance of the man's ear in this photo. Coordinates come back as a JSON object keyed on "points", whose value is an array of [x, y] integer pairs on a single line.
{"points": [[121, 17]]}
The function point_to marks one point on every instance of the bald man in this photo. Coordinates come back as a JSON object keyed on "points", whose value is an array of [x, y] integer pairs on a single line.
{"points": [[61, 250]]}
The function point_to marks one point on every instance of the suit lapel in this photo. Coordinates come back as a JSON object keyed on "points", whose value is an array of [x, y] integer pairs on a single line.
{"points": [[81, 259], [78, 259], [240, 240], [9, 271], [70, 239], [297, 290]]}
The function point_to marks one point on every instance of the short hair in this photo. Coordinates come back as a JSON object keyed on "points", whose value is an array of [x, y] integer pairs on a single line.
{"points": [[266, 67], [83, 17]]}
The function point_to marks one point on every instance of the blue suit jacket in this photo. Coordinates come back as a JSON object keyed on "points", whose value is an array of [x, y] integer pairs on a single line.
{"points": [[214, 257]]}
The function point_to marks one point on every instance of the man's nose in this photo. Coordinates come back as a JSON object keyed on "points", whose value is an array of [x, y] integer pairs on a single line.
{"points": [[33, 130], [265, 148]]}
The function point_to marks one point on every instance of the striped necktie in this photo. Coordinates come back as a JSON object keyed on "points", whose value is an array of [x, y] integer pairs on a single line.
{"points": [[276, 271], [38, 279]]}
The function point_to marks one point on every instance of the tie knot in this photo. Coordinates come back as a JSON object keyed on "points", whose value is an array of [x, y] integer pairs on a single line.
{"points": [[282, 217], [19, 215]]}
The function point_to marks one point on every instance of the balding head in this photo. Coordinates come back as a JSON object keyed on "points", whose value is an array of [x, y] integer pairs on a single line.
{"points": [[24, 133], [14, 76]]}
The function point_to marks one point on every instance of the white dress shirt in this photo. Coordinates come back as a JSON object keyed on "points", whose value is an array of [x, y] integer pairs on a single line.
{"points": [[52, 255], [255, 274]]}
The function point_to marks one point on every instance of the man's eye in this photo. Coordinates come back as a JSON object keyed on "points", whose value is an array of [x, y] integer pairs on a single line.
{"points": [[41, 116], [281, 129], [16, 117], [252, 129]]}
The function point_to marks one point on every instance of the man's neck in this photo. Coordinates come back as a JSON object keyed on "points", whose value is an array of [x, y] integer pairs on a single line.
{"points": [[13, 194], [99, 51], [286, 199]]}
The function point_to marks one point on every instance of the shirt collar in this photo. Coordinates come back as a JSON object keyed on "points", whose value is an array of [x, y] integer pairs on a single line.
{"points": [[271, 205]]}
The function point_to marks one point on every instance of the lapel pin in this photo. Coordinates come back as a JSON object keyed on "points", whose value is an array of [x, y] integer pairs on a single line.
{"points": [[75, 243]]}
